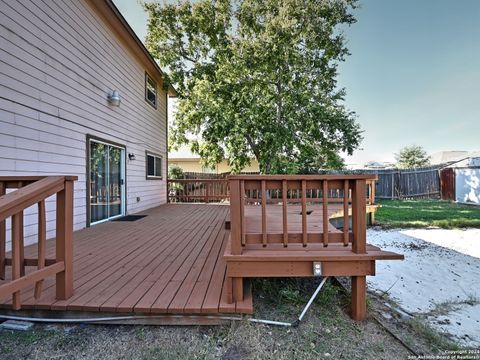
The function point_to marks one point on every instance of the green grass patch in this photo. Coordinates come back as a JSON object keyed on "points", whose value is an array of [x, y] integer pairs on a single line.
{"points": [[425, 213], [438, 341]]}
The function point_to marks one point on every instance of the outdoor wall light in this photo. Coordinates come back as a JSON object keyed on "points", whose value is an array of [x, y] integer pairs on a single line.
{"points": [[114, 98], [131, 157]]}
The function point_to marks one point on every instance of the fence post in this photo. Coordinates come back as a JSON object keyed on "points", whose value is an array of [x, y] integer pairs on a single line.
{"points": [[64, 241]]}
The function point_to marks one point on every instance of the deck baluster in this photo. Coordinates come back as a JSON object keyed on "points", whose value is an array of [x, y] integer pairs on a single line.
{"points": [[304, 213], [345, 213], [42, 234], [284, 211], [2, 237], [264, 213], [325, 213]]}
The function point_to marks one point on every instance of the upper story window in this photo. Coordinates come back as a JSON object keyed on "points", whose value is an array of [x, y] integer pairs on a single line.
{"points": [[154, 166], [150, 91]]}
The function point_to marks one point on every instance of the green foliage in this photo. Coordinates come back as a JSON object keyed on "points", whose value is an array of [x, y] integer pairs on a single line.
{"points": [[423, 213], [412, 156], [175, 172], [257, 79]]}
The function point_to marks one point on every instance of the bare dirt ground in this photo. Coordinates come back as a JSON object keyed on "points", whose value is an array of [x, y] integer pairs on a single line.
{"points": [[438, 281], [326, 333]]}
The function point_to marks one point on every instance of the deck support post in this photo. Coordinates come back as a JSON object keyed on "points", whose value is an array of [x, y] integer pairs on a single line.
{"points": [[359, 301], [371, 218], [237, 285], [64, 241]]}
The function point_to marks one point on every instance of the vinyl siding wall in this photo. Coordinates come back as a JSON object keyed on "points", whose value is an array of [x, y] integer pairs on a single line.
{"points": [[58, 63]]}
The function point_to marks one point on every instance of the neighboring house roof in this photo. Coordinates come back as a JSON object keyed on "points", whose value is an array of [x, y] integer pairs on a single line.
{"points": [[445, 157], [184, 154], [471, 161], [117, 22]]}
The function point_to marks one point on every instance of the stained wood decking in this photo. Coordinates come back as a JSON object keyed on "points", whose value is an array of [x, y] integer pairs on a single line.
{"points": [[168, 262]]}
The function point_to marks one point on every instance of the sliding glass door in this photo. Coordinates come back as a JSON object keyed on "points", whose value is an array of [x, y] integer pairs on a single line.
{"points": [[107, 181]]}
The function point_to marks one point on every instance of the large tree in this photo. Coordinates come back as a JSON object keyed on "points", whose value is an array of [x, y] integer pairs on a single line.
{"points": [[412, 156], [257, 79]]}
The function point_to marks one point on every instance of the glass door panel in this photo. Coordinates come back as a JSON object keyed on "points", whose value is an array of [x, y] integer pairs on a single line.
{"points": [[116, 182], [98, 182], [107, 190]]}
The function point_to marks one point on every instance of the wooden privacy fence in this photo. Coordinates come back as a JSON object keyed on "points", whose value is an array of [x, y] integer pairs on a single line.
{"points": [[32, 191], [218, 190], [408, 183]]}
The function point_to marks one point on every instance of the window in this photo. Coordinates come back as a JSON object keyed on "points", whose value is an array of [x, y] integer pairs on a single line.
{"points": [[150, 91], [154, 166]]}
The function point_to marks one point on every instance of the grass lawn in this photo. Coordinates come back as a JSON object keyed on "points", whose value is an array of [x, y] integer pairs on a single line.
{"points": [[423, 213]]}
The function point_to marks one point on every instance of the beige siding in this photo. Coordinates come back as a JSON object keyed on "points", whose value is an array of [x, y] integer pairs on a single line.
{"points": [[58, 62]]}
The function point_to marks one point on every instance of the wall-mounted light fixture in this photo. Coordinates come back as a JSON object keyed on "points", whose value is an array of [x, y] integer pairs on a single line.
{"points": [[131, 157], [114, 98]]}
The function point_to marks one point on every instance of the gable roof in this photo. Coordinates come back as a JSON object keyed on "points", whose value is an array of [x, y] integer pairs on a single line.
{"points": [[112, 17]]}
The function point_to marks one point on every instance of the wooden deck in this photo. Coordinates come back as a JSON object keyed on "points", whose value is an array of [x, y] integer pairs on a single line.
{"points": [[168, 262]]}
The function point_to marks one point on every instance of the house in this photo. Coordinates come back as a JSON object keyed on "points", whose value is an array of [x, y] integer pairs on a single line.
{"points": [[189, 162], [80, 95]]}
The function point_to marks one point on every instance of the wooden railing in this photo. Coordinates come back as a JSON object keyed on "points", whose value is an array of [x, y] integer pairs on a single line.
{"points": [[32, 191], [215, 190], [269, 198], [198, 190]]}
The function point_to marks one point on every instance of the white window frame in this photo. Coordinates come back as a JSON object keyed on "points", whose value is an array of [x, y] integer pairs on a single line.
{"points": [[155, 156], [147, 78]]}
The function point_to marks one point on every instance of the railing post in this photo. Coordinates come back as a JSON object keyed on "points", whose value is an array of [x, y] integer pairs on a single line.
{"points": [[2, 237], [359, 222], [236, 226], [64, 241], [235, 217], [359, 246]]}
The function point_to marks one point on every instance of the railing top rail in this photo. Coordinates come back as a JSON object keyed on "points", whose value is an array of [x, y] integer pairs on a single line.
{"points": [[35, 178], [305, 177], [197, 180], [31, 194]]}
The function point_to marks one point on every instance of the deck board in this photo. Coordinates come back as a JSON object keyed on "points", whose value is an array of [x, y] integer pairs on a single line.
{"points": [[168, 262]]}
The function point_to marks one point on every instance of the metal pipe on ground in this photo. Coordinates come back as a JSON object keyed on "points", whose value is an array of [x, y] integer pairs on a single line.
{"points": [[138, 317]]}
